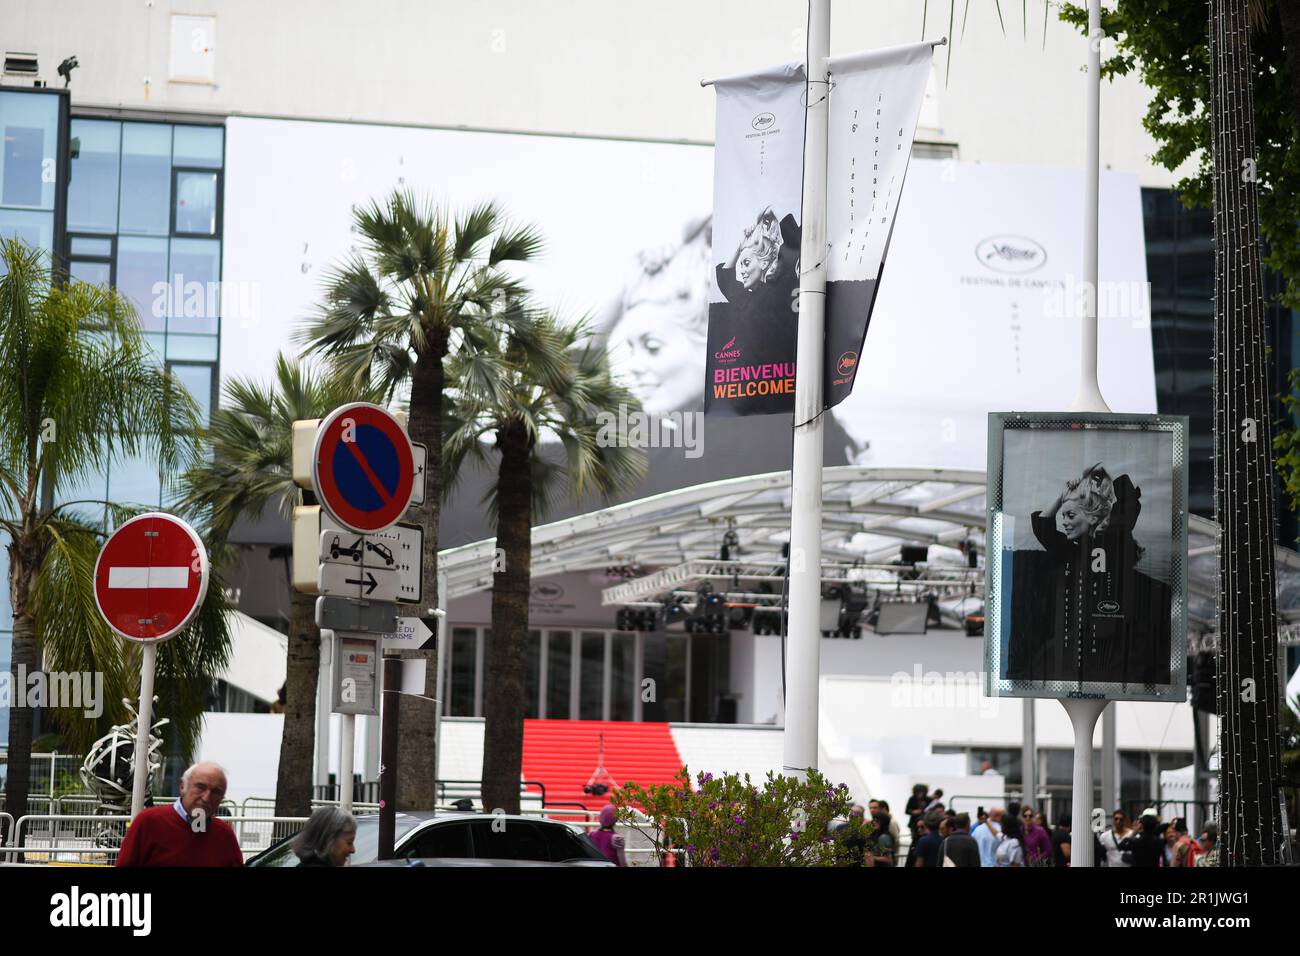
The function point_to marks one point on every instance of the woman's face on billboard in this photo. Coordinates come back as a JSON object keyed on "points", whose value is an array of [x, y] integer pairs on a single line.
{"points": [[661, 359], [749, 268], [1074, 522]]}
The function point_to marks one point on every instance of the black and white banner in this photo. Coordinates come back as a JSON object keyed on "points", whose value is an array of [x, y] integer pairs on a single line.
{"points": [[757, 197], [758, 182], [875, 100]]}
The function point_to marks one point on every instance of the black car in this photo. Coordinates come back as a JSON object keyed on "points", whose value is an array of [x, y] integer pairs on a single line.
{"points": [[461, 836]]}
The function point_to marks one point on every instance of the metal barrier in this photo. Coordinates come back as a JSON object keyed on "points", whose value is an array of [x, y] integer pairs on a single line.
{"points": [[64, 838]]}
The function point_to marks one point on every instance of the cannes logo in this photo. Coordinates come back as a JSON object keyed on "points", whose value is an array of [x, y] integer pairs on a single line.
{"points": [[1108, 607], [847, 363], [1011, 254], [547, 592], [764, 121], [727, 353]]}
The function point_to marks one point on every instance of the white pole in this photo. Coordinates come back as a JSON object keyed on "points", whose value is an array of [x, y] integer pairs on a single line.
{"points": [[346, 745], [144, 721], [1084, 713], [440, 657], [324, 701], [1028, 755], [803, 651]]}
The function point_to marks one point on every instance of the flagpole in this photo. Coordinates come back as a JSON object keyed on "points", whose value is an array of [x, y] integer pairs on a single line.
{"points": [[803, 642]]}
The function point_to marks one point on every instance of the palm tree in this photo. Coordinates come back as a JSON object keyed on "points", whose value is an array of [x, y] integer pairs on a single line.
{"points": [[78, 392], [537, 377], [249, 468], [1250, 811], [421, 287]]}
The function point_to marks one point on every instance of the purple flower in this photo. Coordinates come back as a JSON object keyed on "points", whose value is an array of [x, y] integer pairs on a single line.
{"points": [[713, 804], [713, 853], [794, 836], [690, 848], [740, 821]]}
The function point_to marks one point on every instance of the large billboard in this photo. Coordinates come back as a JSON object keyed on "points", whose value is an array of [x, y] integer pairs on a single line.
{"points": [[976, 312]]}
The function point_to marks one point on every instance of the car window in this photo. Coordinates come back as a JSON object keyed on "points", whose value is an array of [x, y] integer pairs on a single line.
{"points": [[563, 845], [447, 840], [509, 840]]}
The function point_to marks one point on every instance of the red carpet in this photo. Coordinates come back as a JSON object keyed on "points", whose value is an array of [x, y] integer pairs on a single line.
{"points": [[563, 754]]}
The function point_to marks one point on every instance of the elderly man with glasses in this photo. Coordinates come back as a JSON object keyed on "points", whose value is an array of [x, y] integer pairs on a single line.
{"points": [[187, 832]]}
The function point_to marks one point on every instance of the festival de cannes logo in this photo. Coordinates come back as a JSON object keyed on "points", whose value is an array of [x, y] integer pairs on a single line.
{"points": [[764, 121], [847, 363], [727, 354], [1011, 254], [547, 592], [1108, 607]]}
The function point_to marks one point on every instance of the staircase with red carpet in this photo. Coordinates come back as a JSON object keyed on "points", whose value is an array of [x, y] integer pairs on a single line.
{"points": [[562, 754]]}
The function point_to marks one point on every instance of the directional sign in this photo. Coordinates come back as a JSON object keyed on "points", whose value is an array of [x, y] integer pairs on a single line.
{"points": [[412, 635], [151, 577], [359, 584], [399, 548], [363, 468]]}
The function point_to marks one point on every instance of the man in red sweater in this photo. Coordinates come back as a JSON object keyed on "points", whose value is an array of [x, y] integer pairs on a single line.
{"points": [[187, 832]]}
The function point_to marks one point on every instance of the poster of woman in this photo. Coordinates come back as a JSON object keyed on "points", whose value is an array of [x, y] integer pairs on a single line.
{"points": [[1087, 553]]}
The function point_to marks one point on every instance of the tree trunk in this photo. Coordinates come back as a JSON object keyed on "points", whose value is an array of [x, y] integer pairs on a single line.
{"points": [[415, 748], [1249, 757], [503, 694], [24, 660], [293, 787]]}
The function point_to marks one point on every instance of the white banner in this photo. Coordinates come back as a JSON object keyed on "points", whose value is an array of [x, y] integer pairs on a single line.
{"points": [[875, 100], [757, 195]]}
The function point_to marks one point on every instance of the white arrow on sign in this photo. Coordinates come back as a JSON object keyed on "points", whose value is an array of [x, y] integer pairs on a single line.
{"points": [[358, 584], [411, 635]]}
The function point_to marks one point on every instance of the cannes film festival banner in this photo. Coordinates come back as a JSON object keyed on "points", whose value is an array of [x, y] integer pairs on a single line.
{"points": [[875, 101], [758, 180], [757, 198]]}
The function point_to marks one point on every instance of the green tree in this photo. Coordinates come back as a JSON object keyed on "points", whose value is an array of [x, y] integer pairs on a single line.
{"points": [[78, 393], [250, 467], [535, 377], [420, 288]]}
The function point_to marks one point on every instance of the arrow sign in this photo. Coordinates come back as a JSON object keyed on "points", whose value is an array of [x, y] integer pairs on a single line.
{"points": [[151, 577], [368, 584], [363, 467], [421, 457], [412, 634]]}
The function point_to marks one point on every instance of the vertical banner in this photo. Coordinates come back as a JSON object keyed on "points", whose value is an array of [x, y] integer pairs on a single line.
{"points": [[757, 198], [875, 100]]}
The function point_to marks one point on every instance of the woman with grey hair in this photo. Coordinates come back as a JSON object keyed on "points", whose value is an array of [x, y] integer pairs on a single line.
{"points": [[327, 839]]}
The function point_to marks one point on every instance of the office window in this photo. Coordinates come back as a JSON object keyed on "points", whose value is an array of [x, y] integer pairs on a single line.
{"points": [[532, 677], [28, 150], [145, 207], [142, 279], [193, 302], [195, 209], [197, 380], [198, 146], [135, 481], [92, 193]]}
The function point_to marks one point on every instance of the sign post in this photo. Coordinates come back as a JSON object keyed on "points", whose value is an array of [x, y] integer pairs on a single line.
{"points": [[365, 473], [150, 580]]}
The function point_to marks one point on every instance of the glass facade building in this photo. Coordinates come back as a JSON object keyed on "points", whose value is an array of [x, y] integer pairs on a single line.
{"points": [[135, 205]]}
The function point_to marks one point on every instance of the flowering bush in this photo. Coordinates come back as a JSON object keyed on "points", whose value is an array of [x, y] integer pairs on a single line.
{"points": [[728, 821]]}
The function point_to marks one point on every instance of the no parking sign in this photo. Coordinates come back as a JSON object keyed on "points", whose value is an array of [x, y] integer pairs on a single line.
{"points": [[363, 467]]}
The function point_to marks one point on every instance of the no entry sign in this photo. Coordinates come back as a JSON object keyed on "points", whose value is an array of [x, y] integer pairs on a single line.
{"points": [[363, 468], [151, 577]]}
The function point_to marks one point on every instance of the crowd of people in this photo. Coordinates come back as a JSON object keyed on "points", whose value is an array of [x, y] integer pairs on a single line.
{"points": [[1019, 836]]}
